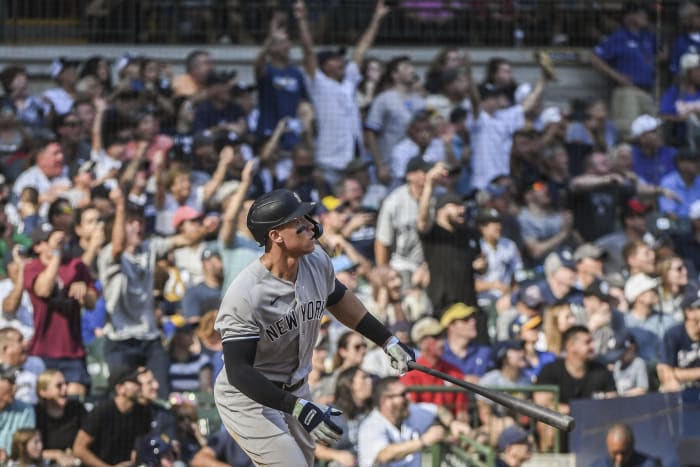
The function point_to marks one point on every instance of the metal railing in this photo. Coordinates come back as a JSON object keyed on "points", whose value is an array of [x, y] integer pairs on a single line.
{"points": [[459, 22]]}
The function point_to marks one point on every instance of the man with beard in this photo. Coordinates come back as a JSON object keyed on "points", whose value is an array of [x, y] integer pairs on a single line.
{"points": [[451, 249]]}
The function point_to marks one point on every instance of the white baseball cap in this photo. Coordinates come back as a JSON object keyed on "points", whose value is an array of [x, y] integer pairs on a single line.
{"points": [[689, 60], [694, 210], [637, 285], [644, 124], [550, 115]]}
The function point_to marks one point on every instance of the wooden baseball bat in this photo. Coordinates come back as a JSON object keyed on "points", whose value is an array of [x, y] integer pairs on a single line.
{"points": [[543, 414]]}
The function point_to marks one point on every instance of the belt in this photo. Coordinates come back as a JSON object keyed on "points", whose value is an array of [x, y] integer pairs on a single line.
{"points": [[289, 387]]}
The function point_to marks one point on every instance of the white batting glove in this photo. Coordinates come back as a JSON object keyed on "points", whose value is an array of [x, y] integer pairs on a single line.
{"points": [[399, 354]]}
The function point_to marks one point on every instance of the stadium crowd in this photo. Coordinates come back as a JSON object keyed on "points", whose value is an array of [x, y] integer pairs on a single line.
{"points": [[509, 243]]}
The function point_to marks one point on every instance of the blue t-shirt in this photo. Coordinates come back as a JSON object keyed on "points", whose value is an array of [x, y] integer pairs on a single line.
{"points": [[682, 45], [207, 116], [679, 350], [687, 193], [631, 54], [543, 358], [279, 92], [672, 103], [477, 361], [653, 169]]}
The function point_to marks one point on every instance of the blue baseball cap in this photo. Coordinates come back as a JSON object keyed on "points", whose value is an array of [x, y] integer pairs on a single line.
{"points": [[512, 435]]}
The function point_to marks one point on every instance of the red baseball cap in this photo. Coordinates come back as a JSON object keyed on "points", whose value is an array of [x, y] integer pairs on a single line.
{"points": [[185, 213]]}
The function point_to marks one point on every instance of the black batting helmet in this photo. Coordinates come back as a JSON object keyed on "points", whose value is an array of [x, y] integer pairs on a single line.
{"points": [[276, 208]]}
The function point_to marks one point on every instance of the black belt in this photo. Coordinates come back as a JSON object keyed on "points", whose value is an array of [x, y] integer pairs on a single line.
{"points": [[289, 387]]}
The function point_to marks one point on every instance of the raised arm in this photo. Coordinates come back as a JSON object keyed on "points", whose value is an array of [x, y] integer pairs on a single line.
{"points": [[225, 158], [531, 100], [424, 222], [367, 38], [100, 108], [119, 224], [307, 42], [229, 221]]}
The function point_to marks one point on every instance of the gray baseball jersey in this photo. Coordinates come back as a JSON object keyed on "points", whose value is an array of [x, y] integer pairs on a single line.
{"points": [[284, 317]]}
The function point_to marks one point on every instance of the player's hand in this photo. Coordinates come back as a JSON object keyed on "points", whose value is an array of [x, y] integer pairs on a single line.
{"points": [[316, 419], [399, 354]]}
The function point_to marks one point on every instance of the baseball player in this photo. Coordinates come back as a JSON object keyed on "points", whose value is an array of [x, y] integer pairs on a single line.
{"points": [[269, 322]]}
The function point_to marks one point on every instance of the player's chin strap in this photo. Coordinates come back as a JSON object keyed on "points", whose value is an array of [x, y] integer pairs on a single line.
{"points": [[318, 228]]}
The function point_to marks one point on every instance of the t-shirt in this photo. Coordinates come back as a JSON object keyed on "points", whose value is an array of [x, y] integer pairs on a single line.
{"points": [[538, 227], [593, 209], [653, 169], [679, 350], [449, 256], [649, 333], [184, 376], [596, 380], [407, 149], [632, 376], [396, 227], [57, 318], [455, 402], [496, 379], [208, 116], [477, 360], [632, 54], [200, 299], [687, 194], [59, 433], [114, 433]]}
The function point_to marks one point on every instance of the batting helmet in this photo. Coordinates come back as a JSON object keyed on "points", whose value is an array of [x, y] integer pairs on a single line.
{"points": [[276, 208]]}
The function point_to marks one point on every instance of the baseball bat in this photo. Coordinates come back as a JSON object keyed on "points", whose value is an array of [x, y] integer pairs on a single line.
{"points": [[543, 414]]}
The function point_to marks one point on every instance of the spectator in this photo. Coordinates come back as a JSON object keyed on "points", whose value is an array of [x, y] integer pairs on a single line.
{"points": [[14, 360], [620, 443], [398, 243], [192, 226], [162, 418], [127, 268], [188, 438], [198, 64], [452, 250], [560, 279], [639, 258], [606, 324], [68, 130], [306, 179], [13, 413], [525, 303], [448, 58], [427, 334], [502, 257], [398, 430], [373, 193], [27, 448], [592, 127], [190, 369], [514, 447], [65, 73], [543, 230], [461, 346], [155, 450], [688, 244], [455, 85], [322, 383], [557, 320], [371, 70], [31, 110], [210, 340], [578, 376], [595, 196], [651, 159], [634, 226], [58, 418], [47, 175], [110, 431], [589, 264], [281, 85], [205, 295], [14, 143], [391, 112], [679, 103], [630, 371], [360, 226], [17, 311], [221, 451], [684, 182], [353, 396], [509, 372], [218, 112], [531, 334], [673, 278], [689, 17], [420, 141], [350, 352], [98, 66], [680, 364], [628, 57], [59, 289], [331, 84]]}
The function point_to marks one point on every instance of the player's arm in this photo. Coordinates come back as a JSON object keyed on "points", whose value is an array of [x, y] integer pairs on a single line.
{"points": [[352, 313]]}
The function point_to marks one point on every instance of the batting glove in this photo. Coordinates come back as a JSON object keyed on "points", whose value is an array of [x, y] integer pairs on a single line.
{"points": [[399, 354], [316, 419]]}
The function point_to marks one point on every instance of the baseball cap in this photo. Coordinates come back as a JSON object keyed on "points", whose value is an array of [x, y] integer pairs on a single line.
{"points": [[598, 288], [487, 90], [327, 54], [501, 348], [694, 210], [356, 165], [185, 213], [218, 77], [512, 435], [495, 190], [331, 203], [530, 296], [416, 164], [425, 327], [122, 375], [486, 216], [60, 64], [523, 322], [643, 124], [550, 115], [691, 299], [687, 154], [225, 190], [448, 198], [589, 250], [342, 263], [637, 285], [41, 233], [455, 312], [689, 61], [152, 448], [557, 260], [210, 253], [635, 207]]}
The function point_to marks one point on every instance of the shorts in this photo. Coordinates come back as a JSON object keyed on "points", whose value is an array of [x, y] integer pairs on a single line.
{"points": [[269, 437], [73, 369]]}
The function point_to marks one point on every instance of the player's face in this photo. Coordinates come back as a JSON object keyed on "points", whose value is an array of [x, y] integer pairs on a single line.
{"points": [[297, 236]]}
